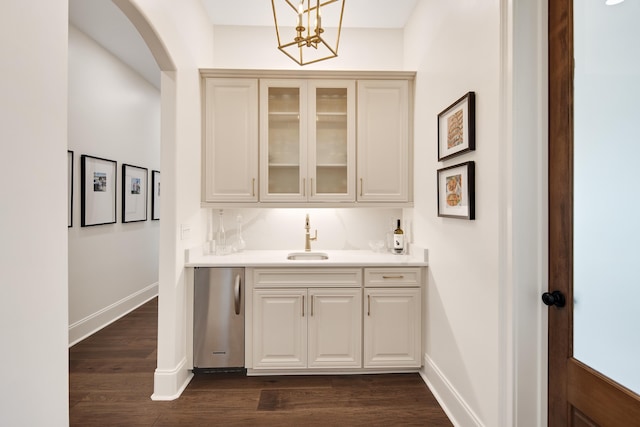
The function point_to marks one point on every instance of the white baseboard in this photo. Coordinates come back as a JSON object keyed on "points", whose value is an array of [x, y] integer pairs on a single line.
{"points": [[453, 404], [169, 384], [96, 321]]}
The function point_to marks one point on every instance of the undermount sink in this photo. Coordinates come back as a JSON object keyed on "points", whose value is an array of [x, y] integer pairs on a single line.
{"points": [[306, 256]]}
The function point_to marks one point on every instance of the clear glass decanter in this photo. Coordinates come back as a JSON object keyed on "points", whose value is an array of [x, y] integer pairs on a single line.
{"points": [[221, 240], [240, 243]]}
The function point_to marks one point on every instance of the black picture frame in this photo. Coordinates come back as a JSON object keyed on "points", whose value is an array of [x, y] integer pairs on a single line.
{"points": [[134, 193], [98, 191], [155, 195], [69, 188], [457, 128], [456, 191]]}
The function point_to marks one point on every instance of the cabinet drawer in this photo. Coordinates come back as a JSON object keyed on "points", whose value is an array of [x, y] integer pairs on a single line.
{"points": [[307, 277], [390, 277]]}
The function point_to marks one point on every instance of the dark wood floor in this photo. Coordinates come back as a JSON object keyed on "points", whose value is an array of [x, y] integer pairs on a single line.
{"points": [[111, 381]]}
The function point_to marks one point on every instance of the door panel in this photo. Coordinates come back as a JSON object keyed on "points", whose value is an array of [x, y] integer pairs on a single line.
{"points": [[578, 394], [279, 329], [335, 328]]}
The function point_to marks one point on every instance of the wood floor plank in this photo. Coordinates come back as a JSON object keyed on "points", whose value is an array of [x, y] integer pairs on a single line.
{"points": [[111, 381]]}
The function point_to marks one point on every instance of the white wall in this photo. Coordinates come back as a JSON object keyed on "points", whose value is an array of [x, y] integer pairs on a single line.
{"points": [[114, 113], [181, 39], [257, 47], [485, 328], [455, 47], [33, 256]]}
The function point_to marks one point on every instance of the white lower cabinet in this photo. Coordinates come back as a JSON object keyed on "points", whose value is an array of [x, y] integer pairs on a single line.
{"points": [[279, 328], [392, 317], [320, 319], [307, 318], [392, 327]]}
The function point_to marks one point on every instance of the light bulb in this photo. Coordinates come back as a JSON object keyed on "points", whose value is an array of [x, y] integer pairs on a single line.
{"points": [[300, 10]]}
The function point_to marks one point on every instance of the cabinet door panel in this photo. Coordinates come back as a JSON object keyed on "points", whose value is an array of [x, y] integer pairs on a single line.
{"points": [[283, 140], [335, 328], [231, 140], [279, 329], [331, 162], [392, 328], [383, 140]]}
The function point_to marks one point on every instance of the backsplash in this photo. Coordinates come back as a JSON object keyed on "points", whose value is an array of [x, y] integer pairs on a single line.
{"points": [[338, 229]]}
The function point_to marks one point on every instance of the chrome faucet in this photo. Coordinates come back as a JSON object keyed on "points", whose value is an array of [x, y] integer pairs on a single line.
{"points": [[307, 236]]}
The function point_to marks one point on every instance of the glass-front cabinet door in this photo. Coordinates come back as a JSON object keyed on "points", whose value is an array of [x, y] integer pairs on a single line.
{"points": [[331, 154], [283, 140], [307, 140]]}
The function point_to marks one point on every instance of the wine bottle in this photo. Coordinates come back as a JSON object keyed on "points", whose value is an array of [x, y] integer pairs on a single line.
{"points": [[398, 240]]}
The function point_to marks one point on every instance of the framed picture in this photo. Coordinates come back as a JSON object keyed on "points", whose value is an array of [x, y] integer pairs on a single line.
{"points": [[69, 188], [134, 193], [98, 191], [155, 195], [457, 128], [456, 191]]}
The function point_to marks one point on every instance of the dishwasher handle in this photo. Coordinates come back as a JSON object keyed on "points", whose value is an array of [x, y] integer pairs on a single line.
{"points": [[237, 294]]}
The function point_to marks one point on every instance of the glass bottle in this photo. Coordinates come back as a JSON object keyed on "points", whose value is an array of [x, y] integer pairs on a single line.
{"points": [[221, 241], [209, 243], [240, 243], [398, 240]]}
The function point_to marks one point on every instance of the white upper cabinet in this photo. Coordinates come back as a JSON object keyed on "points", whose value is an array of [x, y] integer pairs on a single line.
{"points": [[307, 140], [297, 139], [383, 141], [231, 140]]}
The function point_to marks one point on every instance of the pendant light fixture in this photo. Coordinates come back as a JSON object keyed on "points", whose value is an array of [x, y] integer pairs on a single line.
{"points": [[308, 31]]}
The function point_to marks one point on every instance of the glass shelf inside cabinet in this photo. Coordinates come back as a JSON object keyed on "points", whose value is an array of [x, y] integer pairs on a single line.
{"points": [[284, 100], [331, 100], [283, 179]]}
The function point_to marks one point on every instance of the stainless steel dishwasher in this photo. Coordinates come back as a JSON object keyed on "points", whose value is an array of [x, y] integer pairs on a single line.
{"points": [[218, 319]]}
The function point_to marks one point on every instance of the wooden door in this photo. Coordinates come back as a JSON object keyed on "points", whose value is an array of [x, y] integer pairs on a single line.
{"points": [[578, 394]]}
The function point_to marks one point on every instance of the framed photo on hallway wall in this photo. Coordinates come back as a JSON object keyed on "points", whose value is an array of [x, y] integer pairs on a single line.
{"points": [[457, 128], [456, 191], [134, 193], [69, 188], [98, 191], [155, 195]]}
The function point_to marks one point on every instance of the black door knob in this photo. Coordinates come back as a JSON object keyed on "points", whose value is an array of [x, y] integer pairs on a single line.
{"points": [[554, 298]]}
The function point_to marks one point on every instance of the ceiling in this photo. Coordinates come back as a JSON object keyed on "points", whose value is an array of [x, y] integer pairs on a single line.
{"points": [[357, 13], [105, 23]]}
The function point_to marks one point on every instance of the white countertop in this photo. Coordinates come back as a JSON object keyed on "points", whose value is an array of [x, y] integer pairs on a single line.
{"points": [[278, 258]]}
